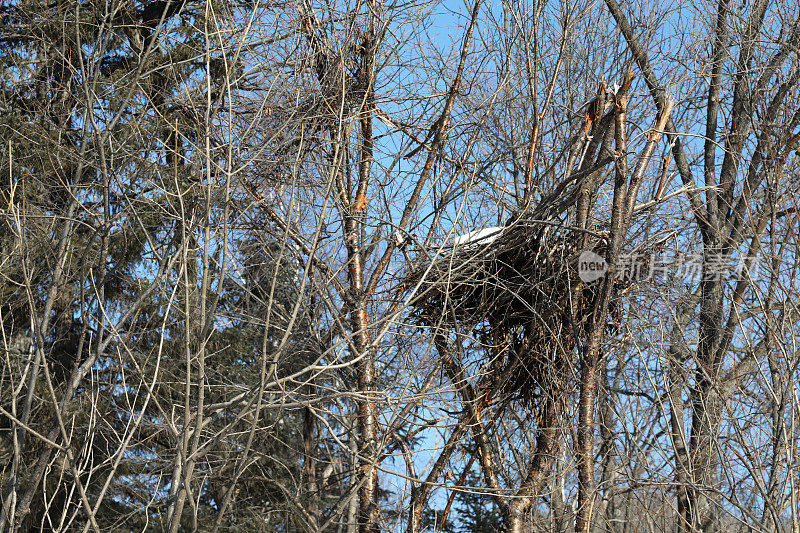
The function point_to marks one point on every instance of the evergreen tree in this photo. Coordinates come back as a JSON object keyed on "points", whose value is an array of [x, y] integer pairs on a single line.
{"points": [[477, 512], [105, 106]]}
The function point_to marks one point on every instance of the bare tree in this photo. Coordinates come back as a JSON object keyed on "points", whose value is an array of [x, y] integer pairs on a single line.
{"points": [[321, 266]]}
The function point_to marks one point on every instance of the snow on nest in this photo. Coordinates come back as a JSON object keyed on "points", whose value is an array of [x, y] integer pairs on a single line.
{"points": [[478, 237]]}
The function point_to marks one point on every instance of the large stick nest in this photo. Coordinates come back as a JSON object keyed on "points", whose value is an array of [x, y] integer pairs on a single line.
{"points": [[520, 294], [527, 272]]}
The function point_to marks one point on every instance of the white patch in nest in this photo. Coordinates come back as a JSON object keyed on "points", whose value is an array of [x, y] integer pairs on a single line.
{"points": [[478, 237]]}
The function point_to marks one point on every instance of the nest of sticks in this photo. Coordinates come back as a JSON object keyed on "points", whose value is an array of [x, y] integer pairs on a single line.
{"points": [[521, 296]]}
